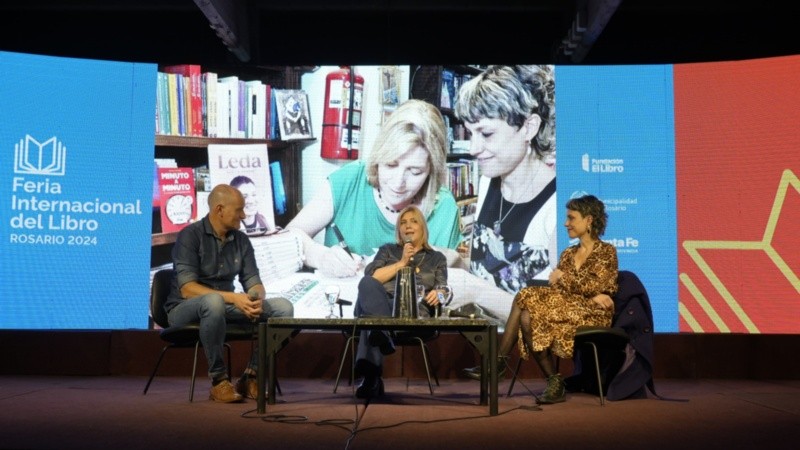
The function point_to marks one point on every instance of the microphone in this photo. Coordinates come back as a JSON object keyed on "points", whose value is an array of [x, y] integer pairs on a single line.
{"points": [[342, 303], [407, 240], [451, 313], [252, 294]]}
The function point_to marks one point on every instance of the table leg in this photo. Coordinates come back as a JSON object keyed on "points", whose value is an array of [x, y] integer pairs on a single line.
{"points": [[485, 341], [485, 377], [262, 366], [276, 338], [492, 370], [272, 349]]}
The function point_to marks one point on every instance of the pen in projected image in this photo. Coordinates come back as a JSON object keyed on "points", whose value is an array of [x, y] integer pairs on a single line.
{"points": [[340, 238]]}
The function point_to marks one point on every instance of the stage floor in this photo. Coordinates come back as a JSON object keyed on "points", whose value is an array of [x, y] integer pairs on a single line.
{"points": [[58, 412]]}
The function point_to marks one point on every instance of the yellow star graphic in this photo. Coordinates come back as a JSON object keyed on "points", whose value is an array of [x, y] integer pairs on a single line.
{"points": [[765, 245]]}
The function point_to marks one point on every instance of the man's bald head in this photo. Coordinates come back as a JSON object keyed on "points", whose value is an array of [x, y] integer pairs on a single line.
{"points": [[226, 208], [222, 194]]}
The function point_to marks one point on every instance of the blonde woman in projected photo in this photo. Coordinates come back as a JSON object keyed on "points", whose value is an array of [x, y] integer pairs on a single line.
{"points": [[407, 167], [510, 114]]}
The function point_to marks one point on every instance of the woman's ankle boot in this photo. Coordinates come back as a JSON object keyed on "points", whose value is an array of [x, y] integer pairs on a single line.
{"points": [[554, 392]]}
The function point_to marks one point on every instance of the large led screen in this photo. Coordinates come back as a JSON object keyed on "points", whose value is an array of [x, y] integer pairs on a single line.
{"points": [[696, 163]]}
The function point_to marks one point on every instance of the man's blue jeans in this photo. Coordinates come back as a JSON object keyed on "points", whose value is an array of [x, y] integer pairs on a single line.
{"points": [[212, 313]]}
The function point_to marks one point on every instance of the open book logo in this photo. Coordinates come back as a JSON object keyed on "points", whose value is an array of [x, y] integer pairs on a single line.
{"points": [[40, 158]]}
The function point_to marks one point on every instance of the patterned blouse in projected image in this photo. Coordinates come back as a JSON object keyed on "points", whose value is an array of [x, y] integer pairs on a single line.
{"points": [[513, 243]]}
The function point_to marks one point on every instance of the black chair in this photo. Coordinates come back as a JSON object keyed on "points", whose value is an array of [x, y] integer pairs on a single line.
{"points": [[400, 339], [187, 336]]}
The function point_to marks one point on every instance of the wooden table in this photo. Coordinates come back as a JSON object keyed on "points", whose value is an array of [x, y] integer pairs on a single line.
{"points": [[275, 333]]}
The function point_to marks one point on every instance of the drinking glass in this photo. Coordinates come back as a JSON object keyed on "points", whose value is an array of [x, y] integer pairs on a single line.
{"points": [[447, 295], [331, 295]]}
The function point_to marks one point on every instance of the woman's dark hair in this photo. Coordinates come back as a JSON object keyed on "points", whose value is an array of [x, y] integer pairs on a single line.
{"points": [[512, 94], [589, 205], [240, 180]]}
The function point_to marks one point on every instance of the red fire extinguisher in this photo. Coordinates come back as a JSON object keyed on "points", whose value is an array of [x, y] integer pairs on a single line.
{"points": [[341, 122]]}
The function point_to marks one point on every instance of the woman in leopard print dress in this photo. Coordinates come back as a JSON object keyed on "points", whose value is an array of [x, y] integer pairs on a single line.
{"points": [[543, 319]]}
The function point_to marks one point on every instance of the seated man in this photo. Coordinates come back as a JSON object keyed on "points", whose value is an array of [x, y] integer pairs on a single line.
{"points": [[207, 256]]}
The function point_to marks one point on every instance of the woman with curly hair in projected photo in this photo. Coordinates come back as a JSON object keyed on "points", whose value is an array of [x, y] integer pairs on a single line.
{"points": [[510, 114]]}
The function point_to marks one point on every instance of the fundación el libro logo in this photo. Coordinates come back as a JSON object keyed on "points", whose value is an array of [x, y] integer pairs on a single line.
{"points": [[606, 165]]}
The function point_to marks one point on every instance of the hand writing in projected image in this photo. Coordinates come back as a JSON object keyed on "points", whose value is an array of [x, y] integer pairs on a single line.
{"points": [[336, 262]]}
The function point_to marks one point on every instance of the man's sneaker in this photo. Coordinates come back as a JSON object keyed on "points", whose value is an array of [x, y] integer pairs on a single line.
{"points": [[223, 392], [247, 387]]}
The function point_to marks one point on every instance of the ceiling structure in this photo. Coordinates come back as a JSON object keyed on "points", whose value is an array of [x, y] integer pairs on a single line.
{"points": [[320, 32]]}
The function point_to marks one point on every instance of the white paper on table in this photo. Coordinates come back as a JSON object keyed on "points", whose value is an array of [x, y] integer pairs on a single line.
{"points": [[307, 292]]}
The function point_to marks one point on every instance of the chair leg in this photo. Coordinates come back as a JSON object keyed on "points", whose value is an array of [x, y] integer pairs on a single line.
{"points": [[155, 369], [514, 378], [423, 347], [194, 367], [230, 364], [432, 371], [194, 371], [597, 372], [347, 344]]}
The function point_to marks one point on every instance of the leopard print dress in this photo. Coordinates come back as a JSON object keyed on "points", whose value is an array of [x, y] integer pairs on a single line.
{"points": [[557, 311]]}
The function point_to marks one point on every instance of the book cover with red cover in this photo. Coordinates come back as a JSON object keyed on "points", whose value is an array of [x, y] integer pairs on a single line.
{"points": [[177, 197], [193, 74]]}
